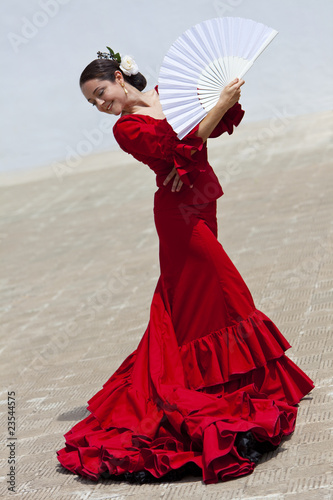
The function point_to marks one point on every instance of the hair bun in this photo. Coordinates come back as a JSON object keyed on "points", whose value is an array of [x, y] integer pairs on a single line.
{"points": [[104, 68]]}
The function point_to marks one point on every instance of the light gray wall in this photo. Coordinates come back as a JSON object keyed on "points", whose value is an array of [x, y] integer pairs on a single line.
{"points": [[45, 44]]}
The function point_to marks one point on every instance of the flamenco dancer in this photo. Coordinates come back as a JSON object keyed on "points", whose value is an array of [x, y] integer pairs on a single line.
{"points": [[209, 388]]}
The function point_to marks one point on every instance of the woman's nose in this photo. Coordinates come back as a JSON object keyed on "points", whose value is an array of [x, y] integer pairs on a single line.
{"points": [[99, 104]]}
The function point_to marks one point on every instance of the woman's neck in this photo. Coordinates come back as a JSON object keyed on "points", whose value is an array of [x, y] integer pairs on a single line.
{"points": [[144, 103]]}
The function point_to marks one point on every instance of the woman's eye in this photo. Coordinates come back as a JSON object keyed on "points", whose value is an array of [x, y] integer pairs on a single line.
{"points": [[100, 93]]}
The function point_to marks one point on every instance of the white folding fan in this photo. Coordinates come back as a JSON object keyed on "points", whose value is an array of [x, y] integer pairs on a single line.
{"points": [[202, 61]]}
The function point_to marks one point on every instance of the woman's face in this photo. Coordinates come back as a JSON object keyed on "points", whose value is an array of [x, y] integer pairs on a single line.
{"points": [[108, 97]]}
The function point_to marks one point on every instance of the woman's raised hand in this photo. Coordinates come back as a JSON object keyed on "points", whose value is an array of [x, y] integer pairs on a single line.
{"points": [[231, 93], [228, 97]]}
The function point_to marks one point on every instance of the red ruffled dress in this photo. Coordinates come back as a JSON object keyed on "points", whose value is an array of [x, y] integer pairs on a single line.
{"points": [[210, 366]]}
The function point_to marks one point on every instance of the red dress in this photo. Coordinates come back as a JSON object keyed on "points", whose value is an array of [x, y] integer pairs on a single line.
{"points": [[210, 366]]}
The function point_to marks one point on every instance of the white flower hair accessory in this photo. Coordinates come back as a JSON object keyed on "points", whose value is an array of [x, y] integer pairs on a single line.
{"points": [[126, 63], [128, 66]]}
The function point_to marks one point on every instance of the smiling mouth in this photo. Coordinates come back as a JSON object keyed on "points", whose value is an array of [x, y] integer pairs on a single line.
{"points": [[109, 106]]}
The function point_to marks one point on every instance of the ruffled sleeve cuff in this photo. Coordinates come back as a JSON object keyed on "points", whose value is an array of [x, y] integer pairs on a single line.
{"points": [[186, 157], [231, 119]]}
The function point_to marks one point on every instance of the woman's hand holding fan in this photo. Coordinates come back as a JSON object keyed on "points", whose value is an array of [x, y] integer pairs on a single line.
{"points": [[229, 96], [230, 93]]}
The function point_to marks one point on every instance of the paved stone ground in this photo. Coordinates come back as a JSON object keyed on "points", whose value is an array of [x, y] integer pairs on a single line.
{"points": [[79, 267]]}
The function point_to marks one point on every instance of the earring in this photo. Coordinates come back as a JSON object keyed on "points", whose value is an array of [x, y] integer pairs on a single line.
{"points": [[125, 89]]}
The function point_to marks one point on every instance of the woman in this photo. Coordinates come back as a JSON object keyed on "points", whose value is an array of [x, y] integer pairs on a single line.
{"points": [[209, 388]]}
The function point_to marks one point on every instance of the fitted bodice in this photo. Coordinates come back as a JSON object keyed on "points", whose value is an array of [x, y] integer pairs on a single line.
{"points": [[153, 142]]}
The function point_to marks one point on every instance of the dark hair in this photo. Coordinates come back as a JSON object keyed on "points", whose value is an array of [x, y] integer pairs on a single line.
{"points": [[104, 69]]}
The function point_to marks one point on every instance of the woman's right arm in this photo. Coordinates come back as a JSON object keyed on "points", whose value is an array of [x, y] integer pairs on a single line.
{"points": [[229, 96]]}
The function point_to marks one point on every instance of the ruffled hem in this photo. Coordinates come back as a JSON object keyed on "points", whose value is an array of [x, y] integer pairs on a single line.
{"points": [[250, 352], [130, 432], [207, 438], [226, 354]]}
